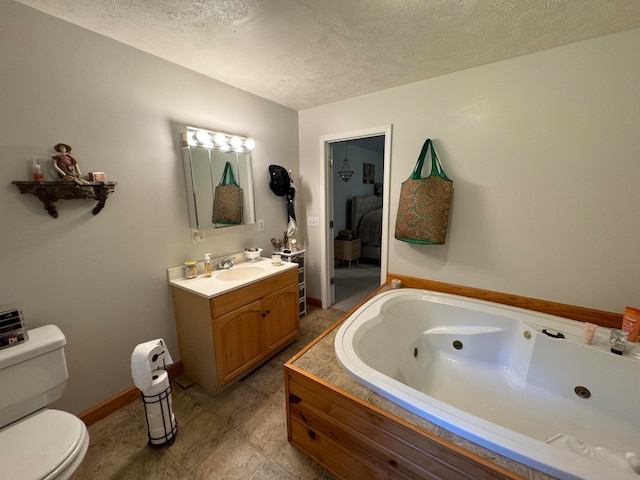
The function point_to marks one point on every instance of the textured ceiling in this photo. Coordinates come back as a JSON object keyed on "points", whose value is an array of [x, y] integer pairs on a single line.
{"points": [[304, 53]]}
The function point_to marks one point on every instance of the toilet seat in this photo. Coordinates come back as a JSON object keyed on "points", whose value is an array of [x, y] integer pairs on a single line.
{"points": [[46, 445]]}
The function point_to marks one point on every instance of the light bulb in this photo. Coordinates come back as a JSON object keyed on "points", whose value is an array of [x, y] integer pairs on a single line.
{"points": [[221, 140], [250, 143], [236, 142], [202, 136]]}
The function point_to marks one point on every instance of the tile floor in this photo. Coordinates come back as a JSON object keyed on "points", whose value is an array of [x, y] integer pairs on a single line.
{"points": [[240, 434]]}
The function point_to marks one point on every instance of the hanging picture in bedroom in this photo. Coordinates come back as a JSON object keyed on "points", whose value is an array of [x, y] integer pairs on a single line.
{"points": [[369, 173]]}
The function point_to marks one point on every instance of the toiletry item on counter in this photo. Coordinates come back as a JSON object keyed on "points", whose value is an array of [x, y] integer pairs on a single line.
{"points": [[631, 323], [190, 269], [618, 341], [37, 170], [207, 264], [589, 332]]}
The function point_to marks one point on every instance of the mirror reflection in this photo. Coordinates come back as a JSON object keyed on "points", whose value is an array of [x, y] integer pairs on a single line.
{"points": [[219, 186]]}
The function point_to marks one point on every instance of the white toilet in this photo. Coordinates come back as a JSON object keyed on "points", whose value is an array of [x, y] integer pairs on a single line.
{"points": [[37, 443]]}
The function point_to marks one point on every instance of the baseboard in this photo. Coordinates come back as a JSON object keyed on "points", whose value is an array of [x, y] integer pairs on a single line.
{"points": [[122, 399], [314, 302]]}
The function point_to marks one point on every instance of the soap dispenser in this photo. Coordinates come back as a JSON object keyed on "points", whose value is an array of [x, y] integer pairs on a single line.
{"points": [[207, 264]]}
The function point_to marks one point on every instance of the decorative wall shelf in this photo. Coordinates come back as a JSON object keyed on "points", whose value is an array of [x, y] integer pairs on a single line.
{"points": [[50, 192]]}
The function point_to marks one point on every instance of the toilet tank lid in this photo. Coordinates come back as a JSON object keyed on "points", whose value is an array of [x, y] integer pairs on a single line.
{"points": [[41, 340]]}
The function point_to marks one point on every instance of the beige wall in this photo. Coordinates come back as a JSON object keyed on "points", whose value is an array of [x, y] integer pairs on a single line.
{"points": [[102, 278], [543, 150]]}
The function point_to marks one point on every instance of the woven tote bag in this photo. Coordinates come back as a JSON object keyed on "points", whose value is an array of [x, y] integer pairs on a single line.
{"points": [[227, 199], [423, 210]]}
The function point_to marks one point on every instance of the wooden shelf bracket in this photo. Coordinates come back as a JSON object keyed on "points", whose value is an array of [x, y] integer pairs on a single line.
{"points": [[50, 192]]}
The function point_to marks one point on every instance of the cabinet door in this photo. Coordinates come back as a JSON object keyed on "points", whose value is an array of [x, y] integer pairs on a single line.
{"points": [[280, 318], [237, 341]]}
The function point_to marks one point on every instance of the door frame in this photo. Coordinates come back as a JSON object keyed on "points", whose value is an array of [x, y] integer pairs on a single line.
{"points": [[327, 253]]}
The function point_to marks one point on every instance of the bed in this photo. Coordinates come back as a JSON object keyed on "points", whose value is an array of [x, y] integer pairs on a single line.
{"points": [[366, 223]]}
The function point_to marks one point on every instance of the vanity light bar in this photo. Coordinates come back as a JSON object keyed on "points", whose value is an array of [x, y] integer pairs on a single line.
{"points": [[198, 137]]}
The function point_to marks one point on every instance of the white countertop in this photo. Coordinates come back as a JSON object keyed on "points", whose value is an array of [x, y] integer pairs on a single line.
{"points": [[210, 287]]}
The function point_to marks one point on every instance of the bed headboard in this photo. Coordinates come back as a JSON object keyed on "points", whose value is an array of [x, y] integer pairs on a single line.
{"points": [[360, 205]]}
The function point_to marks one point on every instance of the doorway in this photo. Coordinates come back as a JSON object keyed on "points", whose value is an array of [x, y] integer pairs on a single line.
{"points": [[348, 277], [358, 172]]}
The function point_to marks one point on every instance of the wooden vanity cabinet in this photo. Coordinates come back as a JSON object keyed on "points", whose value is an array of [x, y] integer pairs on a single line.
{"points": [[237, 341], [225, 337]]}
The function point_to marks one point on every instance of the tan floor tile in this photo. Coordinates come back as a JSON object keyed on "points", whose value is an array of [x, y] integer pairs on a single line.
{"points": [[270, 471], [114, 442], [198, 438], [234, 459], [267, 379], [80, 474], [236, 405], [317, 357], [266, 430], [150, 462]]}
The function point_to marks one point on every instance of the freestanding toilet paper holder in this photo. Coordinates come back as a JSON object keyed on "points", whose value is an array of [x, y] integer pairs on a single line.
{"points": [[159, 406], [148, 368]]}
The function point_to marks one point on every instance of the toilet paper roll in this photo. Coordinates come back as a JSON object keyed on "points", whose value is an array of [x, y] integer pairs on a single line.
{"points": [[158, 408], [147, 357], [162, 431], [159, 383]]}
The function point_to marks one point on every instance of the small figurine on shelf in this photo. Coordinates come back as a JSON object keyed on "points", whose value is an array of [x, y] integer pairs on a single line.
{"points": [[66, 165], [36, 169]]}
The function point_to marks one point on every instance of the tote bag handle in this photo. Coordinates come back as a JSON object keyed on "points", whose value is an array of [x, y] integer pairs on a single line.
{"points": [[227, 169], [436, 167]]}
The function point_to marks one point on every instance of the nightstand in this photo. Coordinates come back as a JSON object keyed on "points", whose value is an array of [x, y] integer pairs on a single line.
{"points": [[347, 250]]}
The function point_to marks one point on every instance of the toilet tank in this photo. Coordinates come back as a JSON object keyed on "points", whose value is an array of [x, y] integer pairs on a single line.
{"points": [[32, 374]]}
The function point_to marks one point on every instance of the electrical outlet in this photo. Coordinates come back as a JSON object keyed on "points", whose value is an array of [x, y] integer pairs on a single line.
{"points": [[198, 236], [313, 221], [261, 225]]}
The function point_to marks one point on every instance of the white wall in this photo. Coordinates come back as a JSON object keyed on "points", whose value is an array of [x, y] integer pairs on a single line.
{"points": [[102, 278], [543, 150]]}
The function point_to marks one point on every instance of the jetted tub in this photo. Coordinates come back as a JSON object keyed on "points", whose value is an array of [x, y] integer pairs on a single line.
{"points": [[486, 372]]}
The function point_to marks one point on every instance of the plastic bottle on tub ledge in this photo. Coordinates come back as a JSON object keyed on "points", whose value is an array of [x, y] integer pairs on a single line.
{"points": [[631, 323]]}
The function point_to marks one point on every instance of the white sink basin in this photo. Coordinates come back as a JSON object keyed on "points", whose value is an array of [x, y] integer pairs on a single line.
{"points": [[236, 274]]}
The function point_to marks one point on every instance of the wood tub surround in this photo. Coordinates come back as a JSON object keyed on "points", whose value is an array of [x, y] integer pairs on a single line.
{"points": [[356, 433]]}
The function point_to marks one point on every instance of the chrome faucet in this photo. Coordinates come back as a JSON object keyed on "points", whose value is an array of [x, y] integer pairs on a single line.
{"points": [[225, 264]]}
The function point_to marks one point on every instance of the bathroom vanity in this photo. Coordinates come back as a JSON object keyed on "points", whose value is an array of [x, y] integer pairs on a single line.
{"points": [[226, 328]]}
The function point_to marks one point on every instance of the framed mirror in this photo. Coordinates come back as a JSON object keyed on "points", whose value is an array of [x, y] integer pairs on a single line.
{"points": [[212, 160]]}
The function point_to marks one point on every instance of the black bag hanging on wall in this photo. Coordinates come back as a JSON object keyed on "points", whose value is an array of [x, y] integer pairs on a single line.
{"points": [[280, 183]]}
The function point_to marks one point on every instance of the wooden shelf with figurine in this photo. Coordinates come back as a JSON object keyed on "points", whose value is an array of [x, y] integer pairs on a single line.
{"points": [[70, 186]]}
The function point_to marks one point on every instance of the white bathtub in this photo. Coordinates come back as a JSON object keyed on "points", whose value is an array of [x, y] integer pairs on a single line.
{"points": [[509, 387]]}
